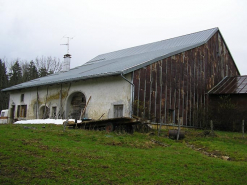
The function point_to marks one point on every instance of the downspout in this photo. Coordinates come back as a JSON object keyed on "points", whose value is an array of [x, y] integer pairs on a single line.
{"points": [[132, 96], [37, 104]]}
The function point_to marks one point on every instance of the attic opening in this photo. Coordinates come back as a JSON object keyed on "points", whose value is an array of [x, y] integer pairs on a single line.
{"points": [[75, 105]]}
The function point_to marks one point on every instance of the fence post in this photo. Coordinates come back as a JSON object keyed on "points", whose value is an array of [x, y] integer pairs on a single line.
{"points": [[178, 129], [65, 124], [243, 128], [160, 126], [212, 126]]}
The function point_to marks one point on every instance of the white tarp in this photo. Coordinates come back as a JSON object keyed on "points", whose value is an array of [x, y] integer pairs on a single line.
{"points": [[44, 121]]}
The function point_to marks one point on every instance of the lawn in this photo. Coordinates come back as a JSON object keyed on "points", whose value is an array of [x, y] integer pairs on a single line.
{"points": [[45, 154]]}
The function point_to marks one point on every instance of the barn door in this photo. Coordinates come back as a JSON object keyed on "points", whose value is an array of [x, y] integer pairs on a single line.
{"points": [[118, 111]]}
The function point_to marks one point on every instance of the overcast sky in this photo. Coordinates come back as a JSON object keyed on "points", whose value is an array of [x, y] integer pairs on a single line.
{"points": [[31, 28]]}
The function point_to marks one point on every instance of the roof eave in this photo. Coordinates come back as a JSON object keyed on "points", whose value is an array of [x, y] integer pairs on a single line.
{"points": [[64, 81]]}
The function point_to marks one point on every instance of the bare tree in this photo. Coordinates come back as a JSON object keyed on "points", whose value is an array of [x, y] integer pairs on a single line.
{"points": [[48, 65]]}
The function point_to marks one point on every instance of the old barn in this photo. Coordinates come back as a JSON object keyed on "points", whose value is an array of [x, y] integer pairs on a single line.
{"points": [[165, 82]]}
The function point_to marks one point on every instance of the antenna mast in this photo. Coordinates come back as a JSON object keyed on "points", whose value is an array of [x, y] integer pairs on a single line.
{"points": [[67, 43]]}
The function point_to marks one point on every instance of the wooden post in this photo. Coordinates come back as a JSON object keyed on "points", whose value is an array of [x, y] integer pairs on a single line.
{"points": [[59, 115], [243, 128], [83, 111], [178, 129], [101, 116], [37, 104], [212, 126], [160, 125], [65, 124]]}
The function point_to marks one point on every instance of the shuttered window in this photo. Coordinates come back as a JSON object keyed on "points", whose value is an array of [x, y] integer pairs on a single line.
{"points": [[118, 111]]}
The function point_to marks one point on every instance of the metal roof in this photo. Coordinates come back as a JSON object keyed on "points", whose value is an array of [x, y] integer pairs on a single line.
{"points": [[124, 61], [231, 85]]}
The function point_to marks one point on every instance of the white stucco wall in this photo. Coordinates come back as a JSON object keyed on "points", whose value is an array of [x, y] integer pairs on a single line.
{"points": [[105, 92]]}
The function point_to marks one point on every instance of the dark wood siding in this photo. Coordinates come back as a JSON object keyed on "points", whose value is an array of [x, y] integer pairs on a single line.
{"points": [[179, 82]]}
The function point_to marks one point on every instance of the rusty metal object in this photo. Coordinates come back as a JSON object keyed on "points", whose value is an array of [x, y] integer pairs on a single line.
{"points": [[109, 127], [172, 134], [231, 85]]}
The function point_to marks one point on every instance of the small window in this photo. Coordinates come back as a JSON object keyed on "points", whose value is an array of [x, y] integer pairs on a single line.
{"points": [[22, 97], [118, 111]]}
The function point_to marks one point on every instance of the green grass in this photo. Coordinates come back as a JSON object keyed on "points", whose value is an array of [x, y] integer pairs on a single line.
{"points": [[37, 155]]}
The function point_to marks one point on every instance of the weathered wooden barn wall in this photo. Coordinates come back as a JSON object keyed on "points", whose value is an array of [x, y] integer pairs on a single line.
{"points": [[170, 89], [240, 100], [228, 110]]}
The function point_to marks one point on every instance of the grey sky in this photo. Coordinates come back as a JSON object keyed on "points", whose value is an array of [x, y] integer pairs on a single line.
{"points": [[31, 28]]}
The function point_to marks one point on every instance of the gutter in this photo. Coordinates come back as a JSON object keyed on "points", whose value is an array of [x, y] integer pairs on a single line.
{"points": [[132, 96]]}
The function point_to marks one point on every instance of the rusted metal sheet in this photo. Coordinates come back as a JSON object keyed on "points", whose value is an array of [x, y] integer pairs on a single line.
{"points": [[231, 85], [177, 85]]}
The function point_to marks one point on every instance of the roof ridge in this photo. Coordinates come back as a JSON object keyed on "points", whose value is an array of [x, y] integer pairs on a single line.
{"points": [[129, 48]]}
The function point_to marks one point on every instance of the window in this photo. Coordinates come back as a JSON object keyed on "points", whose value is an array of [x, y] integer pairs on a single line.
{"points": [[118, 111], [22, 97], [22, 111]]}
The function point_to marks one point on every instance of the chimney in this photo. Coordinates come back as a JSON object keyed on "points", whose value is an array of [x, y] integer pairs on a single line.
{"points": [[66, 63]]}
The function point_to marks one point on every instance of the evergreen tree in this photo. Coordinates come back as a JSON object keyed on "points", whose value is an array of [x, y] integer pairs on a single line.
{"points": [[16, 76], [30, 73], [4, 97], [24, 70], [43, 72]]}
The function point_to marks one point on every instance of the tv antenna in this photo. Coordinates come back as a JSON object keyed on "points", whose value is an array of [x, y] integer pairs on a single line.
{"points": [[67, 44]]}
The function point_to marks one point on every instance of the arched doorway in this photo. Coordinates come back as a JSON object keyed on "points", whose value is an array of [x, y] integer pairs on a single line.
{"points": [[44, 112], [75, 104]]}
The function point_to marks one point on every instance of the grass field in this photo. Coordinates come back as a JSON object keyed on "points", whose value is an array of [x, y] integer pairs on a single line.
{"points": [[31, 154]]}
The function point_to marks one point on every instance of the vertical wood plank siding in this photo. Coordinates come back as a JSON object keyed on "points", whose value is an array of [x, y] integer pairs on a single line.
{"points": [[178, 84]]}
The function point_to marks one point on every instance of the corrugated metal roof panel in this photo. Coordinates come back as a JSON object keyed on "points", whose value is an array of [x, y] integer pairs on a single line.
{"points": [[124, 61], [185, 40], [231, 85]]}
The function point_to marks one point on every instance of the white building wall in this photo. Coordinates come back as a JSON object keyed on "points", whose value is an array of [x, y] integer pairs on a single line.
{"points": [[105, 92]]}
